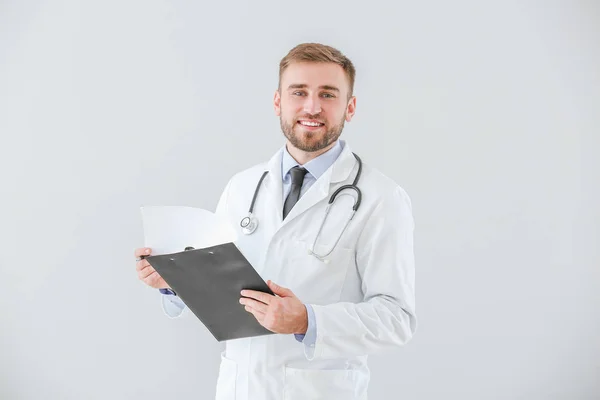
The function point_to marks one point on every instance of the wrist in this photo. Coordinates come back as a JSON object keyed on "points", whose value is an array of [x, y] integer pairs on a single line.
{"points": [[303, 326]]}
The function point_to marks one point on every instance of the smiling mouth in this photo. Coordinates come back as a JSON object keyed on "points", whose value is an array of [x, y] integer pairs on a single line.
{"points": [[310, 124]]}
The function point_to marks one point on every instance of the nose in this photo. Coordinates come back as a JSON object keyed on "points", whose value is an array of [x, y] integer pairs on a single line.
{"points": [[312, 105]]}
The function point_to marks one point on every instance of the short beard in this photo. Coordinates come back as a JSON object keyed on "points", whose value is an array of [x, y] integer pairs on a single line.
{"points": [[331, 135]]}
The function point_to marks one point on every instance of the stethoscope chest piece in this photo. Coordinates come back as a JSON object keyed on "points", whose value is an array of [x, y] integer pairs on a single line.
{"points": [[249, 224]]}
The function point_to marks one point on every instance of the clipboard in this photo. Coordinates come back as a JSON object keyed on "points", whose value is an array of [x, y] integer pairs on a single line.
{"points": [[209, 281]]}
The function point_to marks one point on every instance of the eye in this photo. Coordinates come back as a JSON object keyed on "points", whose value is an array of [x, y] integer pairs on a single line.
{"points": [[298, 93], [328, 95]]}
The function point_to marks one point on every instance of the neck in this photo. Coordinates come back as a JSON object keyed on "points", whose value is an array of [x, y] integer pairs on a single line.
{"points": [[302, 157]]}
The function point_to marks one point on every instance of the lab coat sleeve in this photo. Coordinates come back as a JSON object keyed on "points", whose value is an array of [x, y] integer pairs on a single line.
{"points": [[173, 306], [386, 317], [309, 337]]}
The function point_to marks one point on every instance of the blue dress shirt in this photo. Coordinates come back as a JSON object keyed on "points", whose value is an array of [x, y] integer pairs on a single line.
{"points": [[315, 167]]}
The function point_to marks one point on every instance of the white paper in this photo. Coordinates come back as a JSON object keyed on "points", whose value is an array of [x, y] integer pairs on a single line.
{"points": [[170, 229]]}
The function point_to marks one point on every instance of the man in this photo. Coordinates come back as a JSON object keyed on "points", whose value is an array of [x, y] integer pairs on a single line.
{"points": [[345, 286]]}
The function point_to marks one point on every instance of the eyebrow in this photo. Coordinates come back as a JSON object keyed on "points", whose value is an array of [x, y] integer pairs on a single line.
{"points": [[304, 86]]}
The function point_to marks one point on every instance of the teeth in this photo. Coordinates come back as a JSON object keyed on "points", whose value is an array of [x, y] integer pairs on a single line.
{"points": [[310, 123]]}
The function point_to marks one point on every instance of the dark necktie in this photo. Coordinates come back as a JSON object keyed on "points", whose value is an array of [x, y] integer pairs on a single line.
{"points": [[297, 178]]}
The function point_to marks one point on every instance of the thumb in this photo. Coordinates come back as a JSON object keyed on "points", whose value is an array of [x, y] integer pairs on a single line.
{"points": [[279, 290]]}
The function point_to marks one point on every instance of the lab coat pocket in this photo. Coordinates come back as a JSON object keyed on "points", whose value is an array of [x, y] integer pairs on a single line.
{"points": [[227, 379], [314, 280], [329, 384]]}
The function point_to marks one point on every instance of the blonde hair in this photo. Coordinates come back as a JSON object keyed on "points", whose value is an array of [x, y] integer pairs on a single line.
{"points": [[316, 52]]}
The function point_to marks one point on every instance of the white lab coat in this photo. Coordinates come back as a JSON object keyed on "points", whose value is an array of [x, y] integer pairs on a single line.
{"points": [[363, 298]]}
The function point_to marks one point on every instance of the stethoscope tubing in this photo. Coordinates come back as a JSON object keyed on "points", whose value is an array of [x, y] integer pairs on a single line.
{"points": [[250, 223]]}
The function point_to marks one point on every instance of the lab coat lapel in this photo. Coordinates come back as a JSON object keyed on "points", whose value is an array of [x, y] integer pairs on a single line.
{"points": [[344, 165], [317, 192], [273, 184], [339, 171]]}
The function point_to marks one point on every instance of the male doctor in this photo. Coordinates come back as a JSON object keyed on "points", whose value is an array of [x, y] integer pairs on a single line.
{"points": [[338, 299]]}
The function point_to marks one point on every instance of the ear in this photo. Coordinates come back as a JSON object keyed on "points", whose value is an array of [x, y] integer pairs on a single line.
{"points": [[351, 108], [277, 103]]}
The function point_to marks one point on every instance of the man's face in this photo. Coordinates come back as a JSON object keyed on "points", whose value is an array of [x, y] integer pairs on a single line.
{"points": [[313, 104]]}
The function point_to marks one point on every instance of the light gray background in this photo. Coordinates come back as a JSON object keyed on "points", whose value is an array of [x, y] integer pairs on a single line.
{"points": [[487, 114]]}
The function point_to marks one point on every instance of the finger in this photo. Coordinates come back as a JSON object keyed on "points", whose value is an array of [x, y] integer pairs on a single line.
{"points": [[260, 296], [142, 251], [146, 272], [256, 305], [140, 265], [280, 290], [153, 279]]}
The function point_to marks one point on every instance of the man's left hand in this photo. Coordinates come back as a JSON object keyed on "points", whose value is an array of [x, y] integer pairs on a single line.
{"points": [[284, 313]]}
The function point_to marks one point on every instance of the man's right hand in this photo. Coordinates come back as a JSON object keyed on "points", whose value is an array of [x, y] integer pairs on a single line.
{"points": [[146, 273]]}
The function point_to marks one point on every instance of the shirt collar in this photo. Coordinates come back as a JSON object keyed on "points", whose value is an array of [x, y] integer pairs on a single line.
{"points": [[317, 166]]}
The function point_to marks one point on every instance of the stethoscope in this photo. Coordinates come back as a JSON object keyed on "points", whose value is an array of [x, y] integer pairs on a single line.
{"points": [[249, 223]]}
